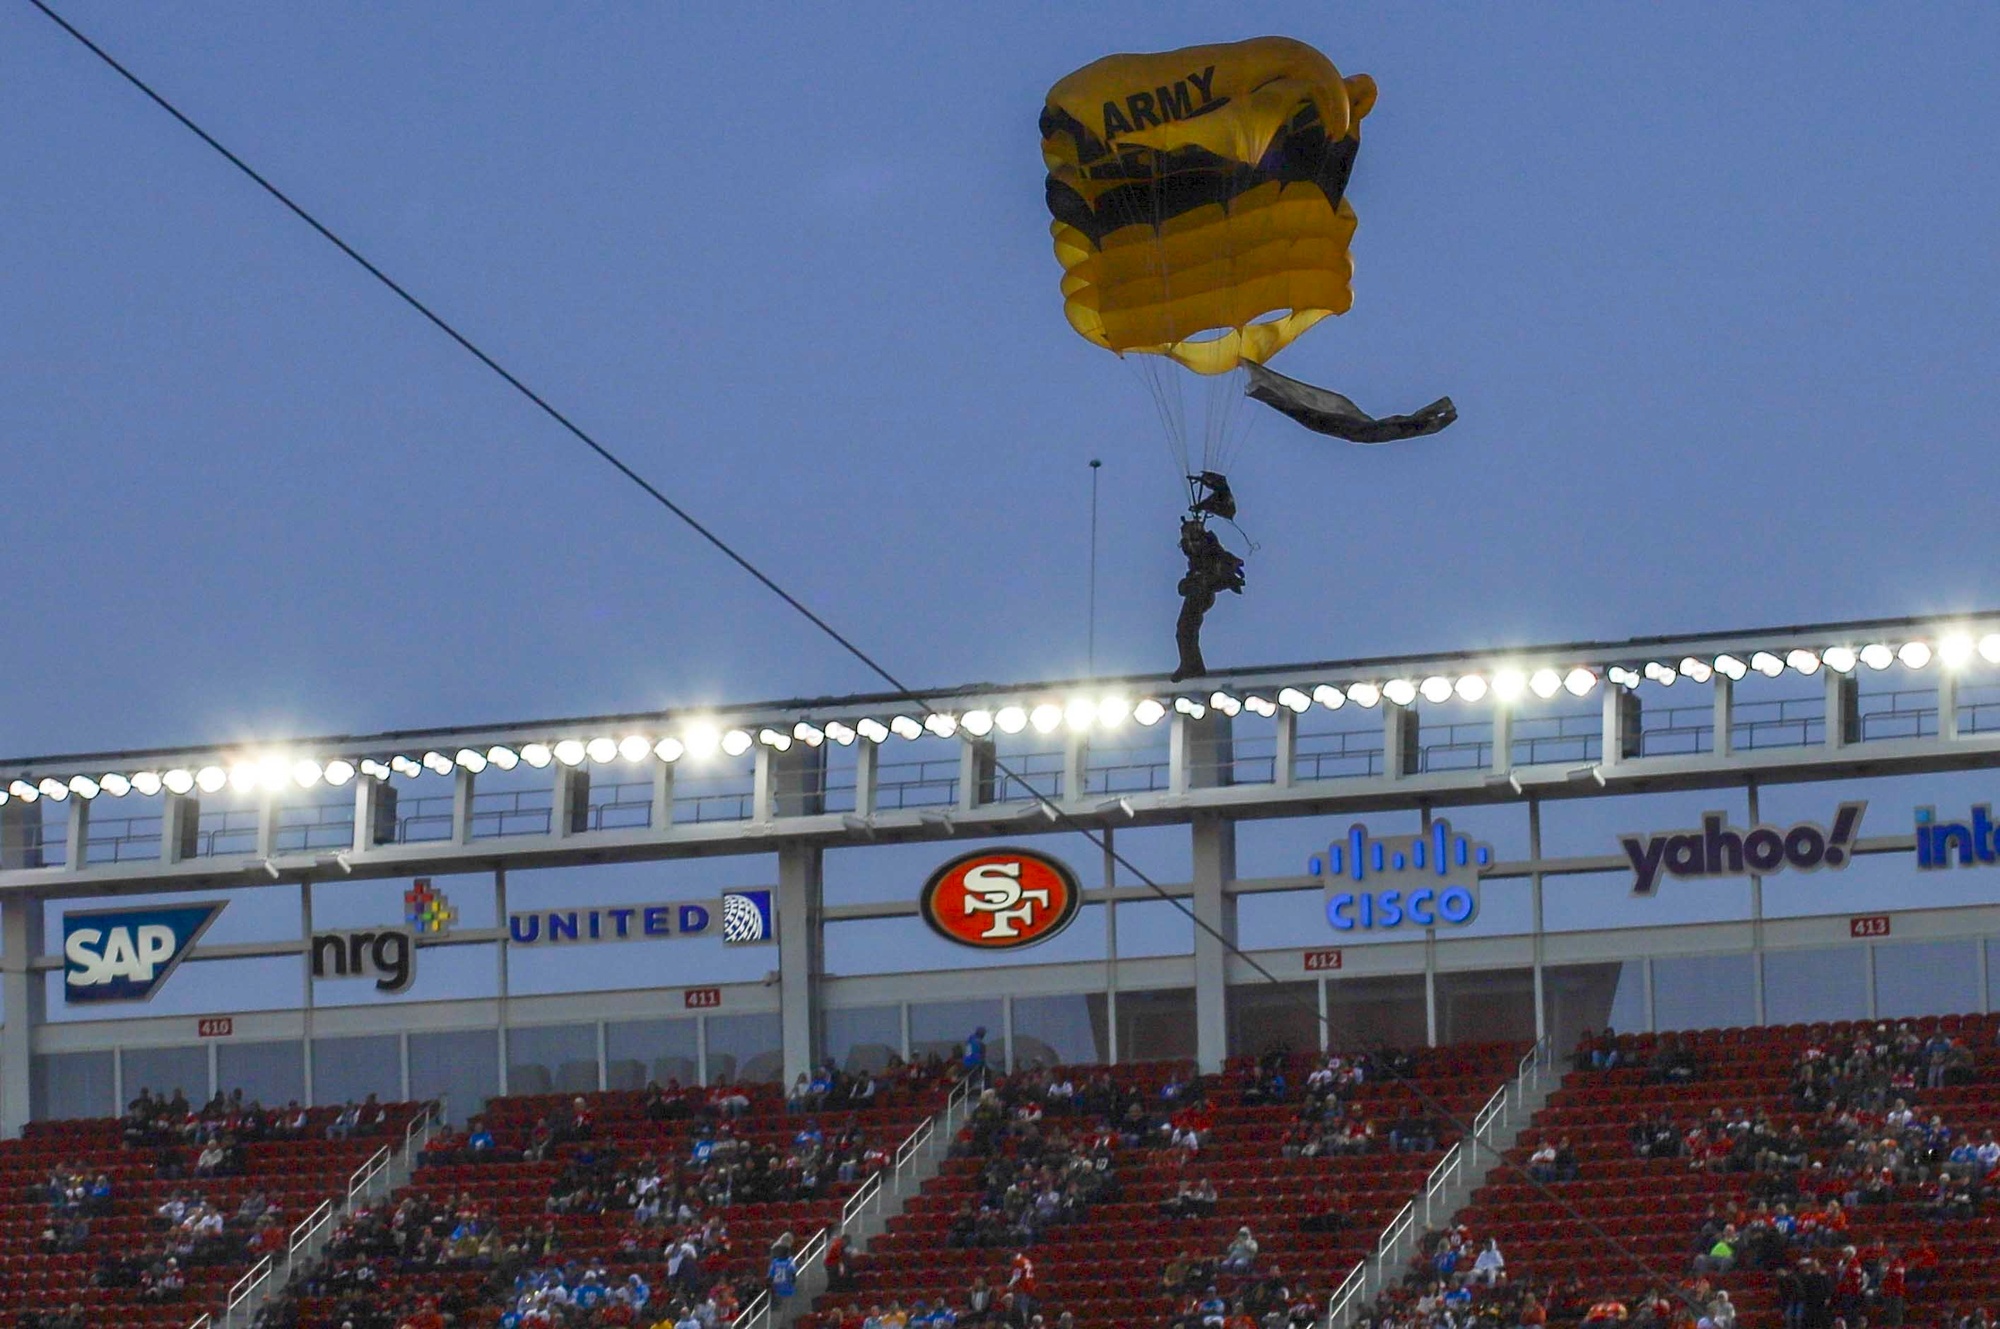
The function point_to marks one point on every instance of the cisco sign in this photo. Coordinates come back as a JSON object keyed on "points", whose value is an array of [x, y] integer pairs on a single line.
{"points": [[1420, 881], [126, 954]]}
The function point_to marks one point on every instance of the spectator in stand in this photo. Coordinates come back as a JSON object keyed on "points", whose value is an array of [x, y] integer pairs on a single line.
{"points": [[1490, 1268], [1241, 1255], [973, 1062], [978, 1300], [1672, 1063], [1021, 1282], [1720, 1257]]}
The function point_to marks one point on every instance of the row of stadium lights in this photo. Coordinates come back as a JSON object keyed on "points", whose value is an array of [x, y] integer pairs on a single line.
{"points": [[702, 740]]}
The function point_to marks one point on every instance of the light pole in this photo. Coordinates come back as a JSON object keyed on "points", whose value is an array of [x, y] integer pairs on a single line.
{"points": [[1091, 649]]}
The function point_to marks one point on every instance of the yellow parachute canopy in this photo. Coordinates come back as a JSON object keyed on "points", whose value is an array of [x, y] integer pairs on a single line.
{"points": [[1197, 191]]}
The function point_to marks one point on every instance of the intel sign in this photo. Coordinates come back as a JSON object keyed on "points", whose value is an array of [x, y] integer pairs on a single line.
{"points": [[126, 954], [1418, 880]]}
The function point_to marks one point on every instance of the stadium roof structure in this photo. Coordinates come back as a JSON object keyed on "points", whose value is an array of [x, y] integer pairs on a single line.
{"points": [[1482, 726]]}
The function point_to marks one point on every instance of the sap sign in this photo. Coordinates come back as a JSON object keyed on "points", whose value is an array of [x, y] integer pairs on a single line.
{"points": [[1416, 880], [126, 954]]}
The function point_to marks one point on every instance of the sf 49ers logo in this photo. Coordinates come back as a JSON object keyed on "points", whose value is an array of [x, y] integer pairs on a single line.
{"points": [[1000, 899]]}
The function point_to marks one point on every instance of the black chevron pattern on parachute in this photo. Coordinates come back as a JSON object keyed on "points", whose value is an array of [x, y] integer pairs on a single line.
{"points": [[1165, 185], [1327, 412]]}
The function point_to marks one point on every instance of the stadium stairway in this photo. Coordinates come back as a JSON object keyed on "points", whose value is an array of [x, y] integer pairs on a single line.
{"points": [[1653, 1208], [1106, 1267], [869, 1211], [387, 1169], [1450, 1187]]}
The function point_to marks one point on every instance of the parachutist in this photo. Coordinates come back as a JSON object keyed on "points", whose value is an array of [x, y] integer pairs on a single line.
{"points": [[1217, 501], [1211, 569]]}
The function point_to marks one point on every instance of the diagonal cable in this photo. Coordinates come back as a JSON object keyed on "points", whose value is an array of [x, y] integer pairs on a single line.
{"points": [[1047, 804]]}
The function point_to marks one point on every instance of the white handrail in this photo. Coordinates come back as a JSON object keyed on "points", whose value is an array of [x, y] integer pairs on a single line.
{"points": [[756, 1313], [377, 1163], [1527, 1075], [306, 1230]]}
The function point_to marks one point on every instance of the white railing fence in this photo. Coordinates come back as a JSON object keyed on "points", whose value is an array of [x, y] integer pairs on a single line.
{"points": [[1463, 1159]]}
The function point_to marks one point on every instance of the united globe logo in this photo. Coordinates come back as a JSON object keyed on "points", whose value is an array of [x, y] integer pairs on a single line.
{"points": [[746, 917]]}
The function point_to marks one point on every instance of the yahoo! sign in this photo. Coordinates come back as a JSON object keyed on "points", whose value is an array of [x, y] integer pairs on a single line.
{"points": [[1717, 849]]}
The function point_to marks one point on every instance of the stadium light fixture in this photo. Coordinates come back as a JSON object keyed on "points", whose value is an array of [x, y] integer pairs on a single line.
{"points": [[1509, 684], [977, 723], [438, 763], [339, 772], [1955, 651], [601, 750], [1363, 694], [1663, 674], [1579, 681], [1696, 670], [1545, 683], [537, 755], [1329, 696], [1471, 687], [774, 739], [1298, 703], [1914, 654], [1840, 659], [941, 724], [571, 751], [906, 727], [1010, 719], [210, 778], [1224, 702], [147, 783], [1435, 689], [1263, 706], [1878, 655], [669, 749], [1080, 713], [272, 772], [115, 785], [24, 791], [1767, 664], [1401, 691], [243, 776], [872, 729], [306, 772], [1804, 661], [53, 789], [634, 747], [1045, 717], [1731, 668], [83, 787], [503, 757], [1620, 676], [1113, 711], [810, 735], [469, 760], [1989, 648], [735, 743], [1149, 712], [840, 733], [178, 781]]}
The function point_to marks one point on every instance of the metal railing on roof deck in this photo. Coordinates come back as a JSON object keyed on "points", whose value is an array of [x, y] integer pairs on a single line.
{"points": [[1402, 1230], [1453, 727]]}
